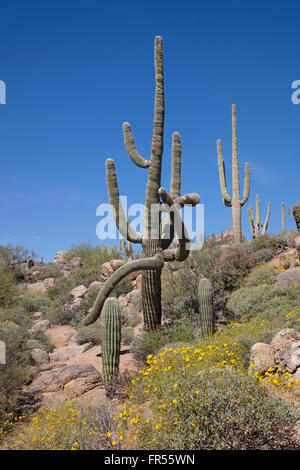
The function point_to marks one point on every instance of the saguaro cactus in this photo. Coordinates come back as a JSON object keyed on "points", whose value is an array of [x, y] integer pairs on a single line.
{"points": [[206, 310], [111, 342], [155, 241], [283, 217], [235, 201], [258, 226]]}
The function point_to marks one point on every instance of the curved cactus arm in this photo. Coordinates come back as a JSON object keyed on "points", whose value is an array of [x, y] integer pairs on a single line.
{"points": [[251, 220], [154, 263], [191, 199], [176, 166], [113, 191], [246, 185], [265, 226], [222, 174], [182, 251], [131, 148]]}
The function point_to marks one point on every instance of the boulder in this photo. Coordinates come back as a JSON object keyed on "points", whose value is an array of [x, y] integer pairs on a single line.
{"points": [[106, 269], [227, 237], [35, 344], [39, 356], [40, 325], [134, 275], [282, 339], [296, 376], [297, 245], [75, 263], [261, 358], [296, 214], [49, 282], [77, 292], [116, 263], [289, 357], [37, 287], [134, 297], [95, 285], [290, 277], [122, 299], [65, 353], [58, 378], [59, 257], [139, 282]]}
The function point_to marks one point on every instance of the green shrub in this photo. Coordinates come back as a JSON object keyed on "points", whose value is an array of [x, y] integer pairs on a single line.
{"points": [[90, 334], [8, 291], [93, 256], [215, 410], [268, 302], [265, 254], [16, 314], [265, 274], [34, 302], [127, 334]]}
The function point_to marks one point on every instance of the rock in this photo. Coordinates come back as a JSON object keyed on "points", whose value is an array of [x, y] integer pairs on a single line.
{"points": [[36, 274], [77, 292], [95, 285], [116, 263], [139, 282], [122, 299], [59, 257], [106, 269], [290, 277], [36, 316], [296, 376], [39, 356], [227, 237], [8, 325], [261, 358], [134, 275], [37, 287], [282, 339], [296, 214], [297, 245], [134, 297], [57, 379], [35, 344], [40, 325], [289, 357], [66, 274], [63, 354], [49, 282], [75, 263]]}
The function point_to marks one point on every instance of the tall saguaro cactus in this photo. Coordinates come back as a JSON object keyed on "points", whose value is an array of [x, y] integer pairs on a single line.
{"points": [[257, 226], [111, 342], [235, 201], [155, 241], [283, 217], [206, 310]]}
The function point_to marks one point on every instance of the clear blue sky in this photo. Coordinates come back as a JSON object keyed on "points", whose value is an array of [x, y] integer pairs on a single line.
{"points": [[75, 70]]}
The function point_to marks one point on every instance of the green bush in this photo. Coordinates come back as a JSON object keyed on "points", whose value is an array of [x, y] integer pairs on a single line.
{"points": [[91, 256], [269, 302], [90, 334], [265, 274], [215, 410], [127, 334], [265, 254], [8, 291], [16, 314]]}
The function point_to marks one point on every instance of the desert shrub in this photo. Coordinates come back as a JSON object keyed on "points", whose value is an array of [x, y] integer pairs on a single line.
{"points": [[263, 242], [265, 254], [131, 317], [16, 314], [127, 334], [8, 291], [14, 374], [47, 270], [58, 315], [93, 256], [124, 287], [186, 306], [264, 301], [264, 274], [286, 239], [34, 302], [68, 426], [40, 336], [90, 334], [216, 409]]}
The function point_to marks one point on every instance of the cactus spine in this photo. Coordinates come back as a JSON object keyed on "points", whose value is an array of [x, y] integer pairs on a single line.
{"points": [[283, 217], [235, 201], [257, 226], [155, 241], [111, 342], [206, 310]]}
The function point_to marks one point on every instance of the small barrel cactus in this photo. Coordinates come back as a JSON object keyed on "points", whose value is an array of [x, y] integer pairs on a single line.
{"points": [[111, 342], [206, 310]]}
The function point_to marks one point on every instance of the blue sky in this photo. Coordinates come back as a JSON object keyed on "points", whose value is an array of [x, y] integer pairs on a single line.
{"points": [[76, 70]]}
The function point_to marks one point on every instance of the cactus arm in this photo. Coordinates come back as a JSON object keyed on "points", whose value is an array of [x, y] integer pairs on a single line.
{"points": [[251, 221], [131, 148], [222, 174], [122, 223], [283, 217], [176, 166], [155, 263], [191, 199], [154, 175], [182, 252], [246, 185], [257, 218], [265, 226]]}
